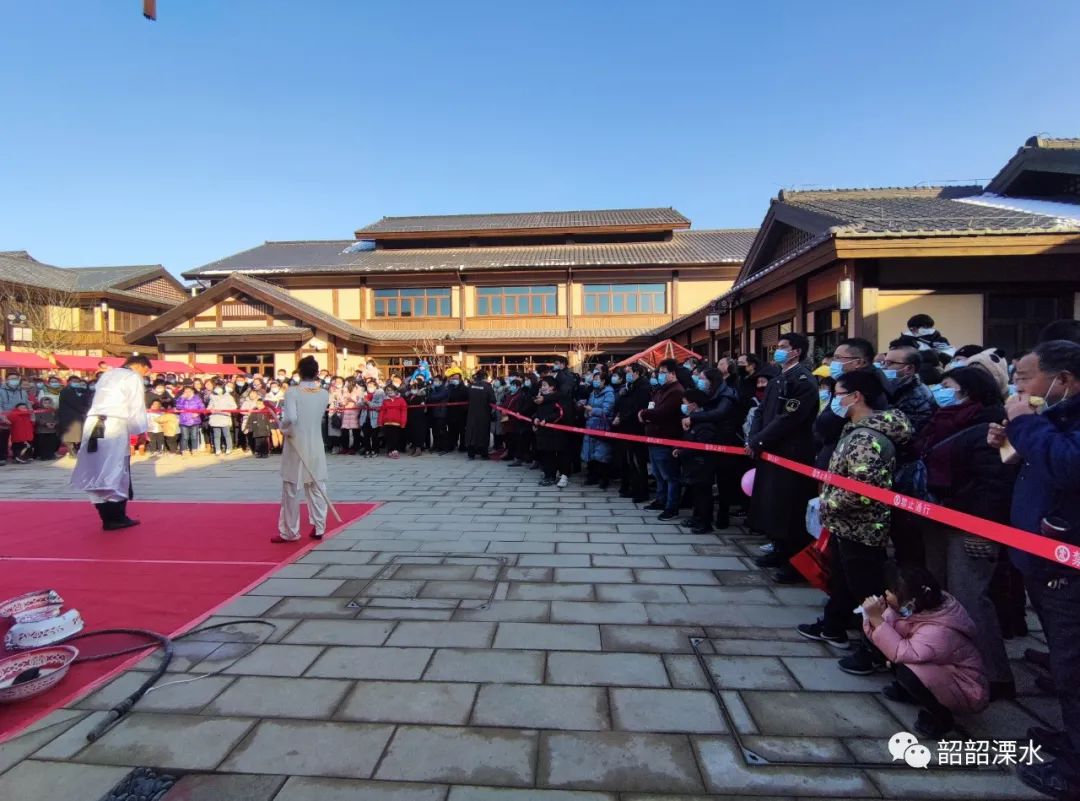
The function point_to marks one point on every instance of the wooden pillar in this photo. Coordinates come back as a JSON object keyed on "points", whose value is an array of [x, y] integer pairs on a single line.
{"points": [[462, 291], [217, 315], [331, 352], [675, 295], [363, 300], [800, 306], [570, 297], [335, 303], [746, 328]]}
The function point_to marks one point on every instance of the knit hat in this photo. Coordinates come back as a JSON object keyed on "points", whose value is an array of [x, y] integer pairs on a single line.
{"points": [[995, 365]]}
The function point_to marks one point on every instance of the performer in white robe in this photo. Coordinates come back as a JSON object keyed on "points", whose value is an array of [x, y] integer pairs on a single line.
{"points": [[303, 456], [117, 413]]}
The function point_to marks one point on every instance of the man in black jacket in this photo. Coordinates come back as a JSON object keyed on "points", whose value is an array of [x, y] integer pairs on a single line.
{"points": [[456, 415], [784, 427], [632, 457]]}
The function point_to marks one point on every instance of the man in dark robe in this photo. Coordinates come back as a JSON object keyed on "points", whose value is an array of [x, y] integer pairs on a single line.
{"points": [[478, 421]]}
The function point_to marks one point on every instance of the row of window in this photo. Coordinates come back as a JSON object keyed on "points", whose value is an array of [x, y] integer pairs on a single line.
{"points": [[500, 301]]}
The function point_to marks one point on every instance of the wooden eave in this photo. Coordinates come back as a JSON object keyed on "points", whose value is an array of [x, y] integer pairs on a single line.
{"points": [[235, 283], [491, 233], [780, 212]]}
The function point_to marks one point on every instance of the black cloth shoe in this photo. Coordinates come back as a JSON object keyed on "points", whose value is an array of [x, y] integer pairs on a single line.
{"points": [[933, 726], [103, 512], [788, 575], [862, 663], [773, 559], [701, 529], [894, 692], [655, 506], [1047, 779], [816, 631], [547, 482], [689, 522], [668, 514], [117, 517], [1052, 741]]}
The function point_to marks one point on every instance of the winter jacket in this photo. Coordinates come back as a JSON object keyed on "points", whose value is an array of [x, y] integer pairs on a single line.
{"points": [[866, 452], [699, 467], [458, 393], [602, 404], [664, 419], [371, 403], [46, 421], [22, 425], [938, 646], [190, 409], [394, 412], [168, 423], [965, 473], [1049, 481], [553, 408], [221, 403], [9, 399], [438, 395], [722, 412], [943, 423], [911, 396], [258, 423], [630, 400], [514, 402], [934, 341]]}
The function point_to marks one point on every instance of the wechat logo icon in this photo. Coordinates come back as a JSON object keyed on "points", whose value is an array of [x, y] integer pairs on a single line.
{"points": [[905, 745]]}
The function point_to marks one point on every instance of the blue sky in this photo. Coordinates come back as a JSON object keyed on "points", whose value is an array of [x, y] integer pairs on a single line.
{"points": [[228, 123]]}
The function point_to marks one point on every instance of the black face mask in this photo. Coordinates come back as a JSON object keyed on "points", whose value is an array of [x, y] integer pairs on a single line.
{"points": [[742, 371]]}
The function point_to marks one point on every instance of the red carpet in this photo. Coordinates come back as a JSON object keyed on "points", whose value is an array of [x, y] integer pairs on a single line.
{"points": [[167, 575]]}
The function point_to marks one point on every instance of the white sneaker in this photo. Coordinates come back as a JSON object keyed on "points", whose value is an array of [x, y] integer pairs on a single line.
{"points": [[562, 482]]}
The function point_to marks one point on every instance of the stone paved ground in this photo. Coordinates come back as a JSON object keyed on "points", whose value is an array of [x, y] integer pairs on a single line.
{"points": [[577, 682]]}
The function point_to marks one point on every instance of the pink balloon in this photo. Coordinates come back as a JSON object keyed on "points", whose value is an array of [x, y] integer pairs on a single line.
{"points": [[747, 482]]}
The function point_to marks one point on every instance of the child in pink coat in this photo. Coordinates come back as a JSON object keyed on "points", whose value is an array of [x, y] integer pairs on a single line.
{"points": [[929, 639]]}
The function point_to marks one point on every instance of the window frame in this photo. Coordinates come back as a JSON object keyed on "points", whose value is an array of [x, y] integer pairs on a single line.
{"points": [[442, 295], [623, 298], [490, 297]]}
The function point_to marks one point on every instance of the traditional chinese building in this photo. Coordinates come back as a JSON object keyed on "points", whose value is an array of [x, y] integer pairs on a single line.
{"points": [[499, 290], [991, 264], [80, 310]]}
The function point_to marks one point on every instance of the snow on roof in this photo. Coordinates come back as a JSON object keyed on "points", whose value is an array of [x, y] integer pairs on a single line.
{"points": [[1049, 208]]}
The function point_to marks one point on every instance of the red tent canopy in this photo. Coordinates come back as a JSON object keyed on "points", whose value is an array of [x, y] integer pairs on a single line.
{"points": [[163, 366], [14, 360], [217, 369], [86, 363], [652, 356]]}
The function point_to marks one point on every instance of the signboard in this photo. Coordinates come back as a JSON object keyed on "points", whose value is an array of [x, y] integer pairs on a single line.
{"points": [[712, 322]]}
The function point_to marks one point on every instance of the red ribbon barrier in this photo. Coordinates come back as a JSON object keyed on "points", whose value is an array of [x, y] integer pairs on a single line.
{"points": [[1056, 551]]}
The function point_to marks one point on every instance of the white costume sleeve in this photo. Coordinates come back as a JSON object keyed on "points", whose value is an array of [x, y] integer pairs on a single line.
{"points": [[289, 410]]}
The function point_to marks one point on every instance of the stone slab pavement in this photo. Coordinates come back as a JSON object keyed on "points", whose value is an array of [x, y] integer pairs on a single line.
{"points": [[481, 638]]}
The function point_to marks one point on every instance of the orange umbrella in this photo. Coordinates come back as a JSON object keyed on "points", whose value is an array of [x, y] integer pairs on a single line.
{"points": [[652, 356]]}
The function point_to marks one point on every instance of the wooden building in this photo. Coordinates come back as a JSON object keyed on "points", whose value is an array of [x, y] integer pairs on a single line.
{"points": [[80, 310], [990, 264], [500, 290]]}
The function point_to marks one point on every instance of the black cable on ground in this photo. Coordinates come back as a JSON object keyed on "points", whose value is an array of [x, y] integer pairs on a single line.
{"points": [[157, 640]]}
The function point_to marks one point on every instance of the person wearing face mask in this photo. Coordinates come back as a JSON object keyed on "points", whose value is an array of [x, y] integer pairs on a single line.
{"points": [[964, 473], [907, 392], [747, 366], [51, 389], [632, 458], [722, 412], [457, 413], [511, 426], [1043, 430], [416, 424], [478, 419], [71, 410], [371, 403], [221, 405], [922, 335], [784, 426], [663, 419], [551, 444], [849, 356], [500, 387], [437, 414], [526, 445], [685, 372], [11, 395], [597, 452], [340, 441], [859, 527]]}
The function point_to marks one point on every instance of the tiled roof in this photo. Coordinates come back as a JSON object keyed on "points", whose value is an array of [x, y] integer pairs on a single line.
{"points": [[918, 211], [18, 266], [561, 220], [250, 330], [723, 246]]}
